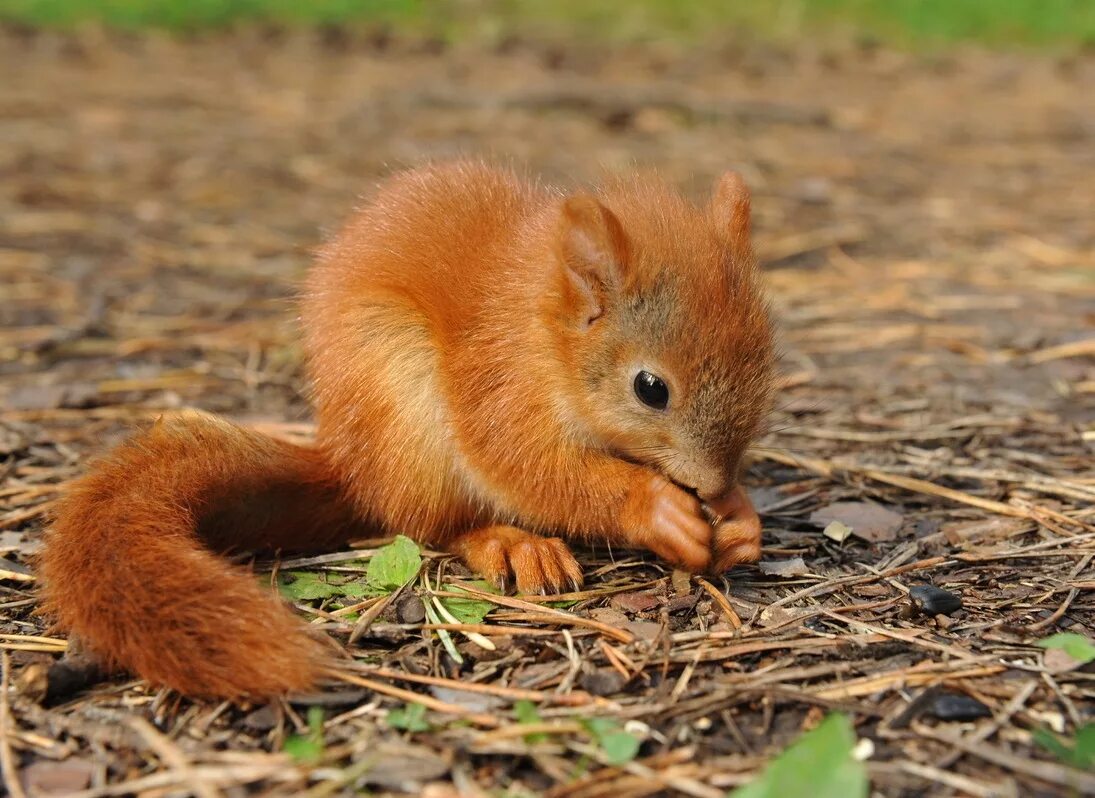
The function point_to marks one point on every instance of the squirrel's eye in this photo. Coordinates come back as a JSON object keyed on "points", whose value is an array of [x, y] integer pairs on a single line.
{"points": [[651, 390]]}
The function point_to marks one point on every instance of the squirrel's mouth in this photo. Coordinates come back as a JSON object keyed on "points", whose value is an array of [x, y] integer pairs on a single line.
{"points": [[662, 461]]}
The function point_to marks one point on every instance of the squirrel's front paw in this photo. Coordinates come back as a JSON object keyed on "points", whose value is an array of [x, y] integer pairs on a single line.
{"points": [[737, 533], [670, 522]]}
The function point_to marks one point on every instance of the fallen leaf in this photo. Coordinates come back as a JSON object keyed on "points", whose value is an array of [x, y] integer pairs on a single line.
{"points": [[1076, 648], [795, 566], [475, 702], [983, 531], [871, 522], [405, 768], [637, 601], [58, 778], [837, 531], [778, 616], [1057, 660], [608, 615], [644, 630]]}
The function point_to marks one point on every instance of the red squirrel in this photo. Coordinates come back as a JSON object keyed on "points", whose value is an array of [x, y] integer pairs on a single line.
{"points": [[495, 366]]}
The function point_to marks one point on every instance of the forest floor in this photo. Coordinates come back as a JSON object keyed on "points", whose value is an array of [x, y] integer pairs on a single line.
{"points": [[925, 224]]}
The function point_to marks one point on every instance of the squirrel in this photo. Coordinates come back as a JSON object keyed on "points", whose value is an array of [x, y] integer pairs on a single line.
{"points": [[495, 365]]}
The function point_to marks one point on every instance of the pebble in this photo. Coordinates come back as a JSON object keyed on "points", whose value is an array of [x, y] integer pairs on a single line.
{"points": [[410, 609], [602, 681]]}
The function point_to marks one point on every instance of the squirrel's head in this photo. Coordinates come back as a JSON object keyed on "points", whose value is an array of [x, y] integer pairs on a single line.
{"points": [[664, 331]]}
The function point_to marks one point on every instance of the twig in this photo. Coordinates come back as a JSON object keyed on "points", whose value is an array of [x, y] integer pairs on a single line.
{"points": [[7, 731], [414, 698]]}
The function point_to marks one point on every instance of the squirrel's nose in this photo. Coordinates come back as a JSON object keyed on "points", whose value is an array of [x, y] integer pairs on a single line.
{"points": [[734, 503], [710, 494]]}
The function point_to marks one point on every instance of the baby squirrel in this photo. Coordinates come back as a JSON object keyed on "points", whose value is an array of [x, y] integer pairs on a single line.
{"points": [[493, 362]]}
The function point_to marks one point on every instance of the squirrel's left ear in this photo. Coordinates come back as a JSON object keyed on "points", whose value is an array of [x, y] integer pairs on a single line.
{"points": [[593, 248], [730, 206]]}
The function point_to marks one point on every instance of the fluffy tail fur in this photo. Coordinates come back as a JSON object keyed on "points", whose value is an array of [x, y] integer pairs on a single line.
{"points": [[130, 564]]}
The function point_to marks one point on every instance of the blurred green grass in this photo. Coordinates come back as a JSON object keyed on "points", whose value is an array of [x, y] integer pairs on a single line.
{"points": [[914, 23]]}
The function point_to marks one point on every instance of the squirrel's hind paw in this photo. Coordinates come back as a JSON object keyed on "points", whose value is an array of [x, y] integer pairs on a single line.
{"points": [[502, 554]]}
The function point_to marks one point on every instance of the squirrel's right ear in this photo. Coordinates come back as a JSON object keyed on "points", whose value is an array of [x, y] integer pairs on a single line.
{"points": [[593, 249], [730, 205]]}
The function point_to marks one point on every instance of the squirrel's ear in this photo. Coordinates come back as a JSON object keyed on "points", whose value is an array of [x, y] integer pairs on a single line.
{"points": [[730, 207], [593, 249]]}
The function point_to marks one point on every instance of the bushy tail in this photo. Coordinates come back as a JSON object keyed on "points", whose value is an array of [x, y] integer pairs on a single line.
{"points": [[131, 566]]}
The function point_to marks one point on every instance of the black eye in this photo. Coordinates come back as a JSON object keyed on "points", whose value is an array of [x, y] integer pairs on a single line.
{"points": [[651, 390]]}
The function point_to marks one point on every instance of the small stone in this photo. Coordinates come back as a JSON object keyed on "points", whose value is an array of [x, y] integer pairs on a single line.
{"points": [[602, 681], [261, 720], [410, 609], [932, 600], [813, 190]]}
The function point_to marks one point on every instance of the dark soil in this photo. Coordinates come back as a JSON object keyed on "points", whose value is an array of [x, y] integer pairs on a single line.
{"points": [[928, 237]]}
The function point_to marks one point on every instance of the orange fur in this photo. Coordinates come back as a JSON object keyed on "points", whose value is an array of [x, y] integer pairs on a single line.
{"points": [[472, 344]]}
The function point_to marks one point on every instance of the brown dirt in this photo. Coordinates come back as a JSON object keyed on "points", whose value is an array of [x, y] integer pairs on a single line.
{"points": [[926, 225]]}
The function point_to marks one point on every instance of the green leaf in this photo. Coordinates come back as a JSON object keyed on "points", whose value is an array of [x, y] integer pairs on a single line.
{"points": [[311, 585], [818, 765], [526, 712], [618, 745], [355, 589], [308, 748], [303, 749], [1081, 754], [1052, 743], [469, 610], [598, 727], [1076, 646], [394, 565], [565, 604], [1085, 747], [306, 586], [411, 717]]}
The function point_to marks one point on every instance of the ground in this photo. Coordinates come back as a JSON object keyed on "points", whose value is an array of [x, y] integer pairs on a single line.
{"points": [[926, 232]]}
